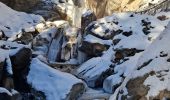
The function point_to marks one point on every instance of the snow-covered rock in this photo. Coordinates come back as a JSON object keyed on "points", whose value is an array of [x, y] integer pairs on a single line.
{"points": [[53, 83], [112, 82], [134, 33], [95, 70], [152, 72], [13, 23], [9, 95], [94, 46]]}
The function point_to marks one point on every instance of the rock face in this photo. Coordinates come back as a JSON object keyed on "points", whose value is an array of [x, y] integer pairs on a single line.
{"points": [[21, 5], [107, 7]]}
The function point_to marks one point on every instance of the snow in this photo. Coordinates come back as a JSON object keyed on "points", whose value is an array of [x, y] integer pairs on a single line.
{"points": [[93, 39], [158, 64], [111, 81], [128, 66], [86, 12], [53, 83], [3, 90], [60, 23], [13, 22]]}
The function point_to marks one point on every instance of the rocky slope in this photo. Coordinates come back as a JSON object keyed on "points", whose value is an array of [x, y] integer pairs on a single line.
{"points": [[107, 7], [118, 57]]}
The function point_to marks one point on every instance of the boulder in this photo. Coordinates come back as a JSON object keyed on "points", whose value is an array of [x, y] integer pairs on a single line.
{"points": [[53, 83], [94, 46], [20, 65], [95, 70], [92, 49], [104, 30]]}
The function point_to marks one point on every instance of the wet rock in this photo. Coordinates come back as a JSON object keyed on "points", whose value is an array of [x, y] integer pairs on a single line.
{"points": [[20, 64]]}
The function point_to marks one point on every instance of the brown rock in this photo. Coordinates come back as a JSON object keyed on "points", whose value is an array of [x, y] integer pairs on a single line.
{"points": [[136, 89], [93, 49], [76, 91], [107, 7]]}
